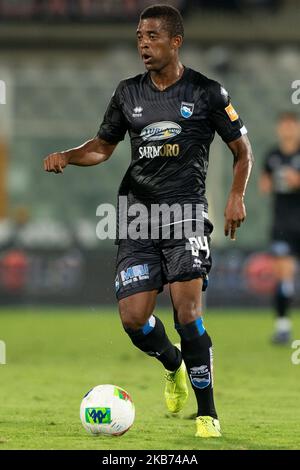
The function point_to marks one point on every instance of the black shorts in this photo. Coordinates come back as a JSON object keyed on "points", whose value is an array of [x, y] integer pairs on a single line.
{"points": [[145, 265], [287, 244], [285, 240]]}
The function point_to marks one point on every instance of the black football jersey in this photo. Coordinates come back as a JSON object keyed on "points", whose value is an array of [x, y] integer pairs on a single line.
{"points": [[286, 199], [170, 132]]}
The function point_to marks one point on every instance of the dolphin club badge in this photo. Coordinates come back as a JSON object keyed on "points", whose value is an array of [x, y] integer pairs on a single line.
{"points": [[186, 109], [200, 376]]}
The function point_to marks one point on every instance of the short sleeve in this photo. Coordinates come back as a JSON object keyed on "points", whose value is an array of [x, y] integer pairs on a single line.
{"points": [[114, 124], [224, 118]]}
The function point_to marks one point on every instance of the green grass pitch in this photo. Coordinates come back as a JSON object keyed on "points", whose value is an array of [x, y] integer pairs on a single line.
{"points": [[55, 356]]}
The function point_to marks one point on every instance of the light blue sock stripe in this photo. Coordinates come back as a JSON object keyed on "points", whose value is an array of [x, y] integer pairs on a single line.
{"points": [[149, 326], [147, 329], [200, 326]]}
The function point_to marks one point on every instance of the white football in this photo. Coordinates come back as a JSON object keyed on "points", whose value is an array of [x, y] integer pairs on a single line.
{"points": [[107, 409]]}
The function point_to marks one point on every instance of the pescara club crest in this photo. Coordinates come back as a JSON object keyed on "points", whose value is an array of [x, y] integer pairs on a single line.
{"points": [[200, 376], [186, 109]]}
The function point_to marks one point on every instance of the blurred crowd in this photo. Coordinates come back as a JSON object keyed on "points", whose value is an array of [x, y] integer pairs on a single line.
{"points": [[80, 10]]}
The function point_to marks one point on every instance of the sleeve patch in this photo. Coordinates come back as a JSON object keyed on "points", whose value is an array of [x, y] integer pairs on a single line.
{"points": [[231, 112]]}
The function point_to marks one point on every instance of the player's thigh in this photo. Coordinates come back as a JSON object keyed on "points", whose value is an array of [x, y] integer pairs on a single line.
{"points": [[285, 267], [138, 280], [186, 264], [284, 251], [136, 309], [187, 299]]}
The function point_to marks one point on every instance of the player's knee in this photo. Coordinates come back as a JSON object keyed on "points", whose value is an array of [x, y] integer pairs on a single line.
{"points": [[132, 319], [194, 330], [132, 322], [187, 311]]}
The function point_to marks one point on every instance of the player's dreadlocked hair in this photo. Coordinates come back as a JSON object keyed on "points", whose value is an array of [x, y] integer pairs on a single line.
{"points": [[170, 15]]}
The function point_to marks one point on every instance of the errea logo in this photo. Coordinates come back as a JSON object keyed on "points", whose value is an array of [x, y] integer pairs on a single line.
{"points": [[2, 92], [137, 112]]}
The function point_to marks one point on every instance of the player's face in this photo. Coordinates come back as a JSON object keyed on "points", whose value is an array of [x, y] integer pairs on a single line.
{"points": [[156, 48], [288, 129]]}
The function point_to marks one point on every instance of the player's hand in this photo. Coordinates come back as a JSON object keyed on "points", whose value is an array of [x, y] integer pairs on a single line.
{"points": [[292, 178], [55, 162], [235, 214]]}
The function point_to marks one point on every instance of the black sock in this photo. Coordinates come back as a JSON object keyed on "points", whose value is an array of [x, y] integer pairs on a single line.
{"points": [[283, 297], [152, 339], [196, 348]]}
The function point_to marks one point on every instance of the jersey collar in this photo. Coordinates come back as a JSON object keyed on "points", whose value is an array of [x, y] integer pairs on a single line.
{"points": [[154, 87]]}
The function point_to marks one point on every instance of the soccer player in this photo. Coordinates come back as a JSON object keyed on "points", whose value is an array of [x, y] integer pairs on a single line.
{"points": [[281, 176], [171, 113]]}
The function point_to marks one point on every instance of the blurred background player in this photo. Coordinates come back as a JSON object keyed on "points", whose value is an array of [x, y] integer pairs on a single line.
{"points": [[281, 177]]}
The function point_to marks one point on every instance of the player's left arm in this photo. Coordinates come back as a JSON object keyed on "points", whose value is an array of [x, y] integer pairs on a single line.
{"points": [[228, 124], [235, 211]]}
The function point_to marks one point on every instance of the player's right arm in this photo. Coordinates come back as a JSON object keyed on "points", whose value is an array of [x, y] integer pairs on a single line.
{"points": [[92, 152], [112, 130]]}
